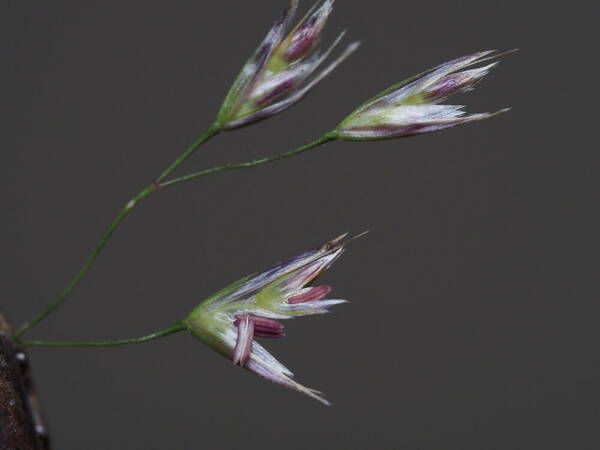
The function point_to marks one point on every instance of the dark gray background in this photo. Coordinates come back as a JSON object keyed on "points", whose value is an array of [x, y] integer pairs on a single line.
{"points": [[474, 314]]}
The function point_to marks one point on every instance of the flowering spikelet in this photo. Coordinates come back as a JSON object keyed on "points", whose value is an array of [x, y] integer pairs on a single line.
{"points": [[412, 106], [276, 76], [229, 320]]}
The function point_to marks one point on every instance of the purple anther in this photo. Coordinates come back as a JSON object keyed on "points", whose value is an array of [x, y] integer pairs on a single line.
{"points": [[263, 327], [243, 345], [316, 293]]}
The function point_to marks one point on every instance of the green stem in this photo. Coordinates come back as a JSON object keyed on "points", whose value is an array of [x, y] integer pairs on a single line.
{"points": [[88, 262], [175, 328], [210, 132], [258, 162]]}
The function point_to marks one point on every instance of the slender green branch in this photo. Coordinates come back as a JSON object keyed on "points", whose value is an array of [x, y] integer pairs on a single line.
{"points": [[175, 328], [88, 262], [258, 162], [210, 132]]}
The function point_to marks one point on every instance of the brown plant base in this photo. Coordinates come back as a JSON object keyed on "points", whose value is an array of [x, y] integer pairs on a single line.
{"points": [[21, 422]]}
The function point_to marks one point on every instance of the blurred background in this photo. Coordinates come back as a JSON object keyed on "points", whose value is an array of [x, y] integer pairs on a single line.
{"points": [[474, 300]]}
